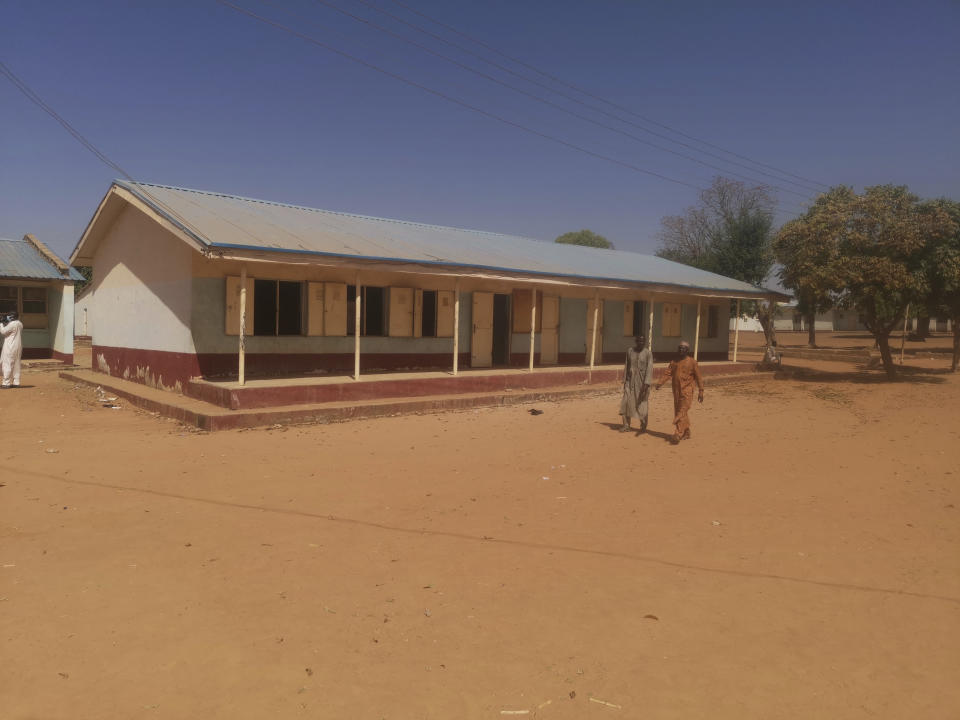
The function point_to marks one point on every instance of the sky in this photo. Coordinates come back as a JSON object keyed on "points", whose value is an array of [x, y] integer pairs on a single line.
{"points": [[195, 94]]}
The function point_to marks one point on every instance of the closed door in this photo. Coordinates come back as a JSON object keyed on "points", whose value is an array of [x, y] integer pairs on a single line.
{"points": [[481, 341], [549, 335], [598, 353]]}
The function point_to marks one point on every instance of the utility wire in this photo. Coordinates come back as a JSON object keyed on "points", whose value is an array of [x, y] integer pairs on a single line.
{"points": [[578, 101], [449, 98], [587, 93], [102, 157], [554, 105]]}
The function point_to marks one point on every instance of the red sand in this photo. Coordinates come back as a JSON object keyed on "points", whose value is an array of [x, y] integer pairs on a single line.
{"points": [[799, 558]]}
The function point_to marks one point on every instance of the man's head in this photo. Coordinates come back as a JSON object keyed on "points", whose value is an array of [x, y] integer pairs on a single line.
{"points": [[683, 349], [639, 342]]}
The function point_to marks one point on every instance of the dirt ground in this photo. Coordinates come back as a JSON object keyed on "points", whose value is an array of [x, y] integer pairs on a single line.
{"points": [[798, 558]]}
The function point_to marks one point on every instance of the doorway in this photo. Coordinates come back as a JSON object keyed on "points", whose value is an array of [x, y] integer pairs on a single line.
{"points": [[501, 329]]}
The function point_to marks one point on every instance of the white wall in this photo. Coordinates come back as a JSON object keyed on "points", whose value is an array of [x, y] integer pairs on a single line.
{"points": [[60, 318], [83, 314], [143, 285]]}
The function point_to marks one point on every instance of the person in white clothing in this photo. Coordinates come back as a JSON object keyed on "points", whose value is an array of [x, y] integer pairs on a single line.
{"points": [[11, 329]]}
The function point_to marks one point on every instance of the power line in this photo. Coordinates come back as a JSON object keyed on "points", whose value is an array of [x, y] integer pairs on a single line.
{"points": [[450, 98], [578, 101], [587, 93], [557, 106], [32, 96]]}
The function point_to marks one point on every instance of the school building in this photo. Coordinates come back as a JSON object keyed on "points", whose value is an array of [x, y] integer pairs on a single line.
{"points": [[190, 284]]}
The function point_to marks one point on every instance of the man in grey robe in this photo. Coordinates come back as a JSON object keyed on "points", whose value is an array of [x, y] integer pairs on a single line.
{"points": [[637, 379]]}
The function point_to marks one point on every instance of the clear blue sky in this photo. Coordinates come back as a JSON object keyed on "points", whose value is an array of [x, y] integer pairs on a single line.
{"points": [[190, 93]]}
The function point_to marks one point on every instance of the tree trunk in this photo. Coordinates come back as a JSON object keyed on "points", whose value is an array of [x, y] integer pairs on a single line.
{"points": [[765, 314], [923, 326], [812, 329], [883, 342], [956, 343]]}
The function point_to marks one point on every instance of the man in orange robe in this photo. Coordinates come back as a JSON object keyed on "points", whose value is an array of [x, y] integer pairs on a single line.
{"points": [[684, 373]]}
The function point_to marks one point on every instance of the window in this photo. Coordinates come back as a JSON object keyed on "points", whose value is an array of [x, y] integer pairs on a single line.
{"points": [[29, 302], [8, 299], [277, 307], [371, 309], [671, 320], [34, 300], [428, 317], [710, 324]]}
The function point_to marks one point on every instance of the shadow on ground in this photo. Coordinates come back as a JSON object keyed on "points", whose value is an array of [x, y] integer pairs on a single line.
{"points": [[864, 375], [636, 431]]}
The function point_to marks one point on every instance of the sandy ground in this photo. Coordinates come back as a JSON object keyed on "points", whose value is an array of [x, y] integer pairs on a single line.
{"points": [[799, 558]]}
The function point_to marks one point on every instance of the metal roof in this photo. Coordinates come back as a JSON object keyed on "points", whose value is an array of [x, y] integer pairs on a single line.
{"points": [[19, 259], [230, 222]]}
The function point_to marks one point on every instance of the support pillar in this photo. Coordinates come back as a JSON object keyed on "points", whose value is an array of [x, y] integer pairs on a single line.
{"points": [[456, 326], [696, 339], [356, 329], [242, 368], [593, 338], [533, 324], [736, 332]]}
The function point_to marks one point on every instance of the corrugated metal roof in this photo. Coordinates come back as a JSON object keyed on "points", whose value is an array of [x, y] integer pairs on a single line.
{"points": [[228, 221], [20, 259]]}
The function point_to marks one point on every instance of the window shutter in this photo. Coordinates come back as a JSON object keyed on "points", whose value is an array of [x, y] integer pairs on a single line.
{"points": [[315, 308]]}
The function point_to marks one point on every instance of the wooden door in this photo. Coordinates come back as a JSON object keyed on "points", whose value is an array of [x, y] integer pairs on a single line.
{"points": [[598, 355], [481, 342], [549, 335]]}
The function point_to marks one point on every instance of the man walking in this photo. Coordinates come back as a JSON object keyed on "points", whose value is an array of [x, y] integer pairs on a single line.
{"points": [[11, 329], [637, 379], [684, 373]]}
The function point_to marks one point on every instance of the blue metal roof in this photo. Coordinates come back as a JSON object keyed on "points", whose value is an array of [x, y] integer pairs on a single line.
{"points": [[19, 259], [231, 222]]}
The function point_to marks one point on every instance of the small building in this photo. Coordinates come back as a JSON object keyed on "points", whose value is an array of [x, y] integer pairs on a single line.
{"points": [[195, 284], [790, 319], [38, 285]]}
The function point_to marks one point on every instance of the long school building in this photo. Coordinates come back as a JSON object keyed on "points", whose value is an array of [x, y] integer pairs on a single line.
{"points": [[195, 284]]}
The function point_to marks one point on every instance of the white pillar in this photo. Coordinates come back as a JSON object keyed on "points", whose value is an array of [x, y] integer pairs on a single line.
{"points": [[650, 328], [903, 338], [696, 339], [242, 370], [356, 330], [533, 323], [456, 326], [593, 338], [736, 332]]}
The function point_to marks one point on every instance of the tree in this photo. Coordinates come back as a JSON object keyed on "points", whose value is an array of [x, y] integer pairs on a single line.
{"points": [[87, 273], [587, 238], [729, 233], [881, 236], [942, 268], [808, 252]]}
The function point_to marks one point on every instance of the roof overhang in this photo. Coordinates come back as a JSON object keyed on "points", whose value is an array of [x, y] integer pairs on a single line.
{"points": [[243, 253]]}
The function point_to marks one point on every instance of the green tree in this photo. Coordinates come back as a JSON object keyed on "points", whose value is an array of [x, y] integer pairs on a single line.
{"points": [[87, 273], [808, 252], [728, 233], [587, 238], [942, 268], [881, 237]]}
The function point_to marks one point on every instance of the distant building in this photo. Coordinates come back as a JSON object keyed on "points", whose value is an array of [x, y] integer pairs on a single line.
{"points": [[331, 292], [38, 285]]}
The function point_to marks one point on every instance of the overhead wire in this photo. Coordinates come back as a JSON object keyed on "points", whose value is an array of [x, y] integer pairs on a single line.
{"points": [[449, 98], [557, 106], [589, 94], [31, 95]]}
